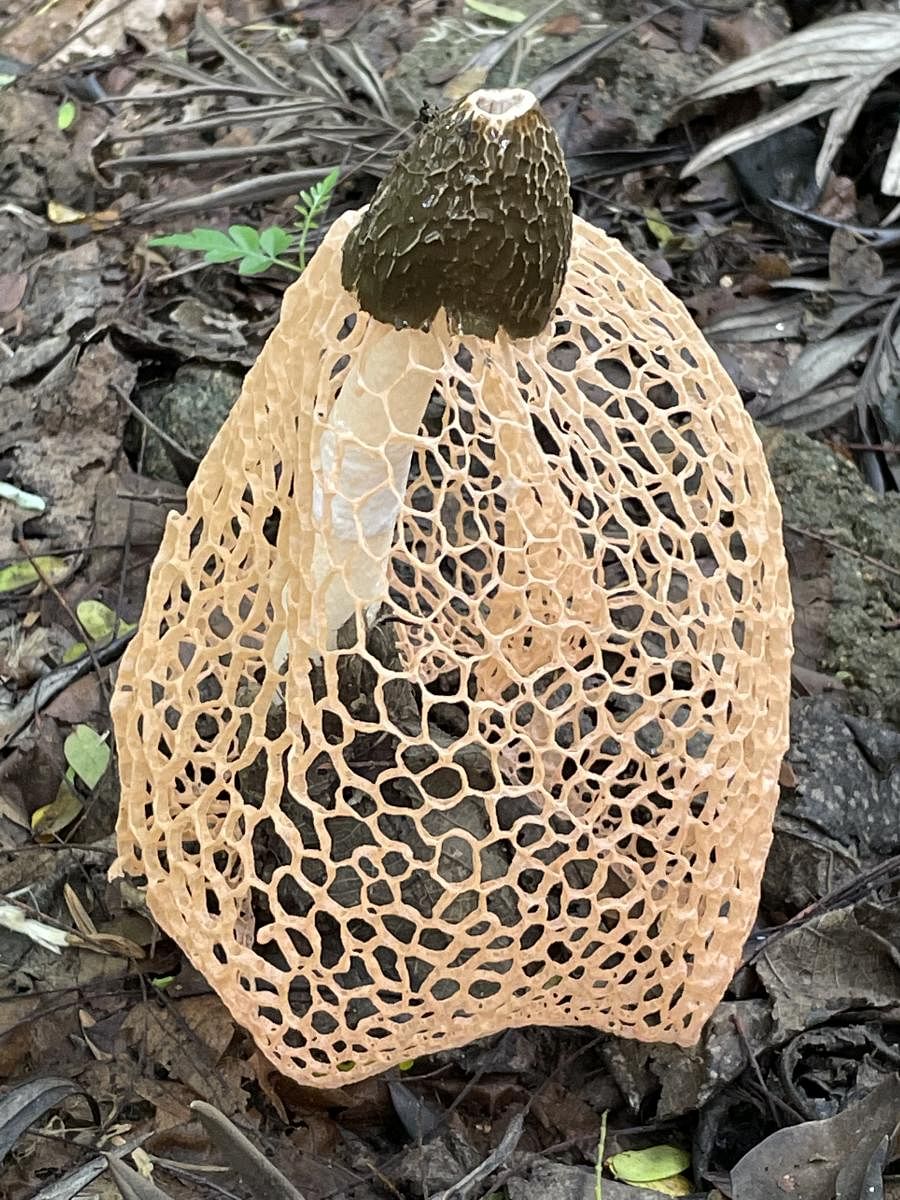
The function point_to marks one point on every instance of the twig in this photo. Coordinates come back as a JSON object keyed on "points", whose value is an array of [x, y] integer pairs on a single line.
{"points": [[835, 545], [77, 33], [160, 433], [70, 613], [496, 1158], [842, 897], [52, 684], [601, 1150]]}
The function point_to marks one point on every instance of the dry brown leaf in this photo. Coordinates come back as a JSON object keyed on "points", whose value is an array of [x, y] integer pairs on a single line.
{"points": [[187, 1039], [845, 58], [563, 26], [12, 289]]}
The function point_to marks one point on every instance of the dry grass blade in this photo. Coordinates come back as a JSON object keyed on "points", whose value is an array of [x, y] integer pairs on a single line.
{"points": [[853, 53], [333, 136], [250, 68], [625, 158], [819, 361], [264, 187], [178, 70], [879, 388], [832, 47], [357, 68], [212, 154], [875, 235], [74, 1183], [247, 115], [28, 1102], [322, 80], [133, 1186], [800, 401], [264, 1180], [290, 110], [758, 321], [547, 82], [812, 412], [488, 56]]}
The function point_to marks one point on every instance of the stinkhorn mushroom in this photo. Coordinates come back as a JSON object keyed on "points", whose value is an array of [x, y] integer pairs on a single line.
{"points": [[460, 690]]}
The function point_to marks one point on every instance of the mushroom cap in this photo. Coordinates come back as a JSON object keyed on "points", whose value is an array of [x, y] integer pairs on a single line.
{"points": [[535, 782]]}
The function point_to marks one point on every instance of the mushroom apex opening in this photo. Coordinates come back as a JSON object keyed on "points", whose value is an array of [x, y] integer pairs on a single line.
{"points": [[507, 104]]}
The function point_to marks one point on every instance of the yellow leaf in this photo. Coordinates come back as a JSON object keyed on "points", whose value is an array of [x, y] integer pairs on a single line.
{"points": [[650, 1165], [61, 214], [100, 622], [29, 571], [55, 816], [675, 1185], [465, 82], [668, 239]]}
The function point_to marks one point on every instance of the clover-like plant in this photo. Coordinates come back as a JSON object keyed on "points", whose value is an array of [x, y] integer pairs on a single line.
{"points": [[258, 250]]}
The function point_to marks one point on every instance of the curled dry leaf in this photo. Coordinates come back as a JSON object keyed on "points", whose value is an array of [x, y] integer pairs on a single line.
{"points": [[822, 1158], [845, 58]]}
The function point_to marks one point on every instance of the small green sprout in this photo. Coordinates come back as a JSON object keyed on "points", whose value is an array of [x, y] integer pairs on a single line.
{"points": [[256, 250], [65, 115], [312, 204]]}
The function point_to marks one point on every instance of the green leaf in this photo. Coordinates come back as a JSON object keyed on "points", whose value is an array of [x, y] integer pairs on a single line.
{"points": [[65, 115], [87, 753], [228, 253], [650, 1165], [274, 241], [253, 264], [23, 574], [499, 12], [316, 198], [197, 239], [246, 237]]}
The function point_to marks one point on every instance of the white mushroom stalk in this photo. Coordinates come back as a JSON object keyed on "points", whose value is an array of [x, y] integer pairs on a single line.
{"points": [[360, 460]]}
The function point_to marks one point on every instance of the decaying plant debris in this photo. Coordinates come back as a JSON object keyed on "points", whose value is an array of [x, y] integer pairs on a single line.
{"points": [[107, 344]]}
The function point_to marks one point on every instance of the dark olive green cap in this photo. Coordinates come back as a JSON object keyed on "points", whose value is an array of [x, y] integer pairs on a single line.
{"points": [[475, 217]]}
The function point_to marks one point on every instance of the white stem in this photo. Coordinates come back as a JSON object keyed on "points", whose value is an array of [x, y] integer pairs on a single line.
{"points": [[361, 458]]}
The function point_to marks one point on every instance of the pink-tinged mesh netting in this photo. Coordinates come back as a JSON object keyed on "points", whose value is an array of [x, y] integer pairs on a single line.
{"points": [[470, 715]]}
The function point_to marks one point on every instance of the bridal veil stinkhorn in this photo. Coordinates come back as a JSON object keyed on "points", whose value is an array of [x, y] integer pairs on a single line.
{"points": [[460, 690]]}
